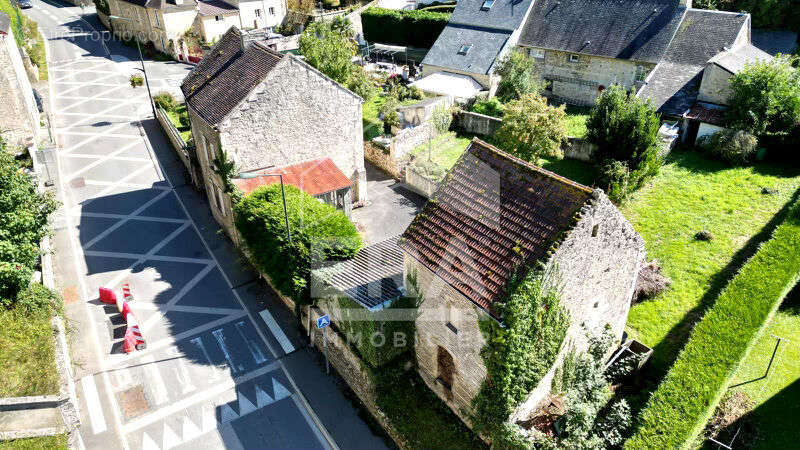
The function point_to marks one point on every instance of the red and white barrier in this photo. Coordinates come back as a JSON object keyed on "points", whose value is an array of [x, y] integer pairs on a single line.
{"points": [[133, 335], [107, 296], [126, 292]]}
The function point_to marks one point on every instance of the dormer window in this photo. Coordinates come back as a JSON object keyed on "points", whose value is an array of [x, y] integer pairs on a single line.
{"points": [[464, 49], [487, 5], [573, 58]]}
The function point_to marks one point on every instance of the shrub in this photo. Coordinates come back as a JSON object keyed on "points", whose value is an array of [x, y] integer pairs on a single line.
{"points": [[531, 128], [328, 50], [165, 100], [683, 403], [330, 4], [403, 27], [650, 282], [38, 300], [362, 84], [625, 130], [734, 146], [136, 80], [319, 232], [518, 77], [490, 107]]}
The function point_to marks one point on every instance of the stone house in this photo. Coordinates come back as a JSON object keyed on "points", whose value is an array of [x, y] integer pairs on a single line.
{"points": [[478, 34], [496, 215], [164, 22], [19, 115], [273, 113]]}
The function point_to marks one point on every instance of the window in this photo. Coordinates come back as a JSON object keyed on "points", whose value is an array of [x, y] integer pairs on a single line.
{"points": [[451, 317], [209, 151], [595, 230], [155, 18], [218, 18], [487, 5], [258, 13], [573, 58], [271, 11], [464, 49], [446, 368], [219, 201], [537, 53]]}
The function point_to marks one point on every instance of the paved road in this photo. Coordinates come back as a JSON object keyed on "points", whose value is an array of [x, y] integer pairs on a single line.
{"points": [[218, 368]]}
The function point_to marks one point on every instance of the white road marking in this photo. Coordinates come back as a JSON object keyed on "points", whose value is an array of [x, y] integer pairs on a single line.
{"points": [[64, 131], [114, 158], [190, 309], [110, 116], [190, 430], [220, 337], [185, 289], [245, 405], [227, 414], [171, 439], [89, 166], [148, 443], [198, 342], [155, 383], [93, 405], [276, 330], [279, 391], [262, 398], [138, 256], [181, 371], [122, 222], [180, 405], [258, 355], [127, 216]]}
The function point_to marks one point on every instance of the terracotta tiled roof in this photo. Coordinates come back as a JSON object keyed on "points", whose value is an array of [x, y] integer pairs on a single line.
{"points": [[493, 214], [714, 116], [315, 177], [227, 75]]}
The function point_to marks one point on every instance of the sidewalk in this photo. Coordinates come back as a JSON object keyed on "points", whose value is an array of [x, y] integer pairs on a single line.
{"points": [[334, 410]]}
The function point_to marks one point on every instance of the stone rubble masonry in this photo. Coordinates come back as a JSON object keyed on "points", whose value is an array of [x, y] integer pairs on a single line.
{"points": [[296, 114], [596, 265], [19, 115], [715, 86]]}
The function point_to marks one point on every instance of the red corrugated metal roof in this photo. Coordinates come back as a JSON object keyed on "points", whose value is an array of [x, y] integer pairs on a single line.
{"points": [[315, 177], [714, 116]]}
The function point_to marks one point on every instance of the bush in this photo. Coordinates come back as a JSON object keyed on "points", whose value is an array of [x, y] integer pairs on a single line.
{"points": [[518, 77], [136, 80], [684, 402], [531, 128], [490, 107], [331, 4], [625, 130], [328, 50], [362, 84], [776, 14], [165, 100], [403, 27], [319, 232], [650, 282], [734, 146], [38, 299]]}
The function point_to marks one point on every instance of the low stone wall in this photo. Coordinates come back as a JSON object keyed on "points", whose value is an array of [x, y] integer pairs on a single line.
{"points": [[420, 183], [19, 115], [408, 139], [180, 147], [384, 159], [480, 124], [579, 148]]}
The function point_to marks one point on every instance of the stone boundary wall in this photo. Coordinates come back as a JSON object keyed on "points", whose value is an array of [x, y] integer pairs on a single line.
{"points": [[408, 139], [20, 115], [481, 124], [384, 159], [579, 148], [420, 183], [179, 145]]}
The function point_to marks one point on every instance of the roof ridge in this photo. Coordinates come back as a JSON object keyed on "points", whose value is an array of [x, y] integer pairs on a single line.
{"points": [[531, 166]]}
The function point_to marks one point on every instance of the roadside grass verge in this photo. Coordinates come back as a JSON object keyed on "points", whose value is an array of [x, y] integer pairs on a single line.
{"points": [[691, 193], [175, 116], [57, 442], [683, 403], [27, 355], [27, 36]]}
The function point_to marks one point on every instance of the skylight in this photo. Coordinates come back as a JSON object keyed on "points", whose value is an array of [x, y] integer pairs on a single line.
{"points": [[487, 5], [464, 49]]}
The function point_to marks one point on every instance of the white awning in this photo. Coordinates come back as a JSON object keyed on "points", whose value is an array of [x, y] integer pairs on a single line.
{"points": [[446, 83]]}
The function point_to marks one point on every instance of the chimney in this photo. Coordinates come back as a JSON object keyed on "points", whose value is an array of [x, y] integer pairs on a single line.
{"points": [[685, 3]]}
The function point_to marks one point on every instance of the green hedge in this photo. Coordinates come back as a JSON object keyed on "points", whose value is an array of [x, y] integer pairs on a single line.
{"points": [[682, 405], [399, 27], [319, 232]]}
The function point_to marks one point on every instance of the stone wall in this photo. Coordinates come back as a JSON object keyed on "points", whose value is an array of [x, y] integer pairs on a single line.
{"points": [[581, 82], [19, 115], [715, 86], [309, 116], [462, 340], [420, 183], [475, 123], [408, 139], [579, 148], [382, 157], [184, 152]]}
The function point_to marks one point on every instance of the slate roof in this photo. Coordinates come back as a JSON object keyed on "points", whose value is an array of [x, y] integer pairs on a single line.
{"points": [[371, 278], [486, 45], [638, 30], [225, 76], [736, 59], [674, 84], [215, 8], [503, 15], [493, 214], [5, 23], [315, 177], [164, 5]]}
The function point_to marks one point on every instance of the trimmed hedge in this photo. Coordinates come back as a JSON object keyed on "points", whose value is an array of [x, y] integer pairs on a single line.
{"points": [[400, 27], [319, 233], [684, 402]]}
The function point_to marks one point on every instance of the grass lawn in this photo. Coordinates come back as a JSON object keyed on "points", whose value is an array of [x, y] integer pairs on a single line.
{"points": [[175, 118], [693, 193], [576, 120], [27, 356], [373, 125], [776, 397], [57, 442]]}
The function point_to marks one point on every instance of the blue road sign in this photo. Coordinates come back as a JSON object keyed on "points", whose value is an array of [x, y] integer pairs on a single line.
{"points": [[323, 321]]}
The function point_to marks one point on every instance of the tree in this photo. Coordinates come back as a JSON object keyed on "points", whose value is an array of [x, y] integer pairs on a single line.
{"points": [[625, 130], [531, 128], [438, 123], [518, 77], [329, 51], [765, 97]]}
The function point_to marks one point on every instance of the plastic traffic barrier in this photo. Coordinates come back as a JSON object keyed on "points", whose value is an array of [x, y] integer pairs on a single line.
{"points": [[133, 335], [107, 296]]}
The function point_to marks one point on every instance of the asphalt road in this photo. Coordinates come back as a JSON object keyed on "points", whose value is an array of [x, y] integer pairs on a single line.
{"points": [[220, 370]]}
